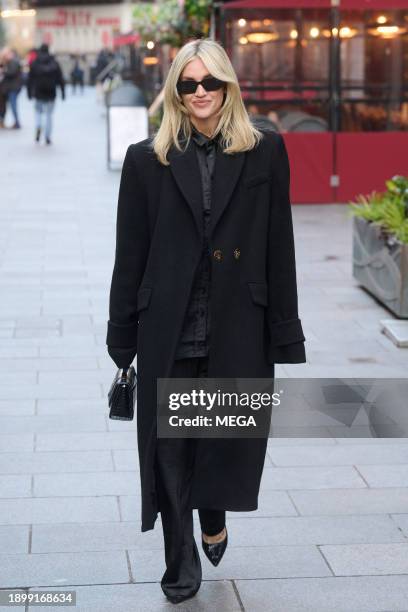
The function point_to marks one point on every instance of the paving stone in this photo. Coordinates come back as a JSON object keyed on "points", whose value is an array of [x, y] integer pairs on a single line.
{"points": [[351, 501], [332, 477], [126, 459], [65, 377], [21, 407], [52, 423], [64, 406], [272, 442], [37, 463], [50, 365], [81, 537], [60, 569], [90, 483], [45, 391], [14, 539], [15, 486], [367, 559], [148, 597], [384, 475], [16, 442], [125, 440], [51, 510], [363, 454], [365, 594]]}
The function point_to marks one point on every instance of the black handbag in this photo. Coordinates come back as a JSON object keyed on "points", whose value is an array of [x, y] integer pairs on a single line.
{"points": [[122, 394]]}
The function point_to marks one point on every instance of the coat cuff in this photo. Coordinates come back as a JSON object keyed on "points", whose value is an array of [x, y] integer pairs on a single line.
{"points": [[122, 335], [286, 342], [289, 353], [122, 357]]}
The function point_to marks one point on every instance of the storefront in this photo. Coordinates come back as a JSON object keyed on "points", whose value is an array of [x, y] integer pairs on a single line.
{"points": [[83, 28], [332, 76]]}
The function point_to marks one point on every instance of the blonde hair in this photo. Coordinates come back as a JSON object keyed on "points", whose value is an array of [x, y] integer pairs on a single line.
{"points": [[237, 131]]}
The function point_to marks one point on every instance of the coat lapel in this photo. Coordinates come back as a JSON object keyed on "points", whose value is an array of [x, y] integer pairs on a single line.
{"points": [[186, 172], [226, 174]]}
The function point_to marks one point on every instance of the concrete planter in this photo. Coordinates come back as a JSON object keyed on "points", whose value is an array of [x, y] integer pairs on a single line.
{"points": [[380, 265]]}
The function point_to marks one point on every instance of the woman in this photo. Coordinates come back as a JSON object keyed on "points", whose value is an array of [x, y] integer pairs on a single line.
{"points": [[13, 82], [3, 93], [204, 284]]}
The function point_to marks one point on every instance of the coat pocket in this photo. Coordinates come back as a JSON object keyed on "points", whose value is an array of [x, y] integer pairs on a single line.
{"points": [[259, 292], [262, 177], [143, 298]]}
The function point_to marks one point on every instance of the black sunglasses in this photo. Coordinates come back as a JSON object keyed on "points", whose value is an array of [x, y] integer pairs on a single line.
{"points": [[190, 86]]}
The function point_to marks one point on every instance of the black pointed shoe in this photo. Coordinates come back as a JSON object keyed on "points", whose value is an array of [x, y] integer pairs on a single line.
{"points": [[215, 552]]}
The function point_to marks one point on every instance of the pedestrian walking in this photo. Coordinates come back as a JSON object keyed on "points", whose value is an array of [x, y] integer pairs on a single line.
{"points": [[3, 94], [12, 82], [203, 285], [43, 79], [77, 76]]}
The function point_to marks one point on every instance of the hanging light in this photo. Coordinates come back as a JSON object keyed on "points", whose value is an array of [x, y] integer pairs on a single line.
{"points": [[381, 19], [262, 37], [343, 32], [242, 23], [347, 32], [386, 31]]}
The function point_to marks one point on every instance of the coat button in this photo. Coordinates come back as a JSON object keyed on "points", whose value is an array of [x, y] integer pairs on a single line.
{"points": [[237, 253], [217, 254]]}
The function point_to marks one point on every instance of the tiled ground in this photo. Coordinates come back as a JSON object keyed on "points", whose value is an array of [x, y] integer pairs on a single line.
{"points": [[332, 526]]}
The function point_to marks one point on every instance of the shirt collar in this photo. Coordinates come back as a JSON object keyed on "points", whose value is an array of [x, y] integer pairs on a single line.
{"points": [[201, 139]]}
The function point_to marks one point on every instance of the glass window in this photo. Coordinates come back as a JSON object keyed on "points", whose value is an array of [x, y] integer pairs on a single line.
{"points": [[282, 61], [374, 71]]}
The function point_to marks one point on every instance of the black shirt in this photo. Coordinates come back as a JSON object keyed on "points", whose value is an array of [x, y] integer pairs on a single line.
{"points": [[194, 337]]}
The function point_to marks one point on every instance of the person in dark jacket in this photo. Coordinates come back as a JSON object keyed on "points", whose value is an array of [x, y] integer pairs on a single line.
{"points": [[12, 82], [77, 75], [3, 95], [203, 285], [43, 79]]}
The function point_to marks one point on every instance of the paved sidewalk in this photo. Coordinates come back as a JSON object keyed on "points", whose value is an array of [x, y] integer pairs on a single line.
{"points": [[331, 530]]}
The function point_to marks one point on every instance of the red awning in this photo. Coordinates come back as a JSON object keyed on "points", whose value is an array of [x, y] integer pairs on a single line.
{"points": [[345, 4], [264, 4], [125, 39], [374, 4]]}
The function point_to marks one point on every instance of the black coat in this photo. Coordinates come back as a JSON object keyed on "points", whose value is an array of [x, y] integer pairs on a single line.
{"points": [[44, 77], [254, 306]]}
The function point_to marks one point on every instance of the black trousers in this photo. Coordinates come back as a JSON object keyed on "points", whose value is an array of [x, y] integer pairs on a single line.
{"points": [[174, 469]]}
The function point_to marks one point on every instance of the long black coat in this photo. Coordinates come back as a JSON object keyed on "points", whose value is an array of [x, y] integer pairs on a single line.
{"points": [[254, 309]]}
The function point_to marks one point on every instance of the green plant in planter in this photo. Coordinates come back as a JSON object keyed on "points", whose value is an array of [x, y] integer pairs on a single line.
{"points": [[172, 21], [388, 209]]}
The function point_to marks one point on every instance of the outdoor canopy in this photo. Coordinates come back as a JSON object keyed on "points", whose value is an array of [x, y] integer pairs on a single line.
{"points": [[344, 4]]}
